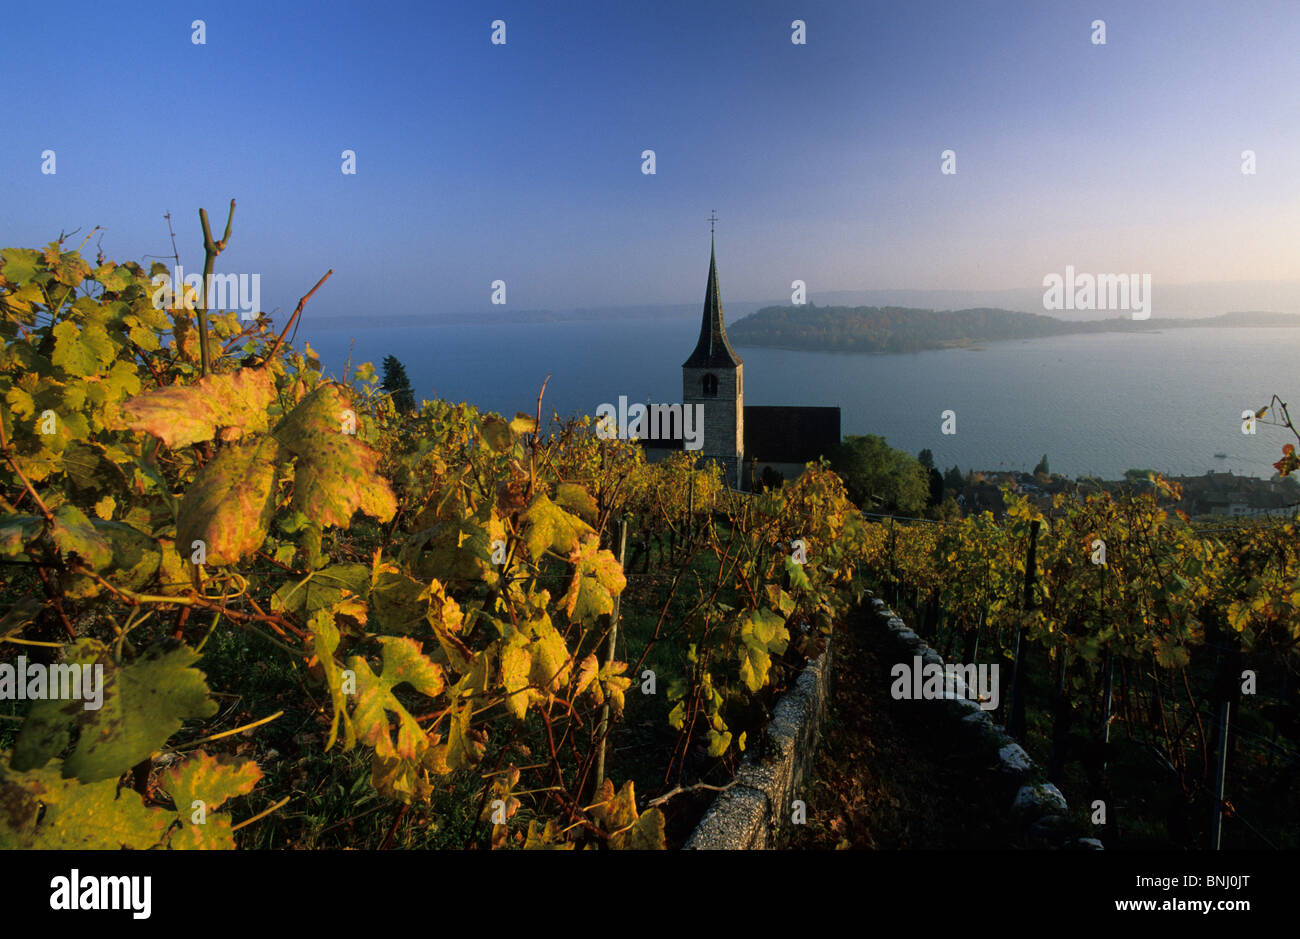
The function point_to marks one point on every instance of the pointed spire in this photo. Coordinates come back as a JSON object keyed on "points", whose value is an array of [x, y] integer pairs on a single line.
{"points": [[713, 350]]}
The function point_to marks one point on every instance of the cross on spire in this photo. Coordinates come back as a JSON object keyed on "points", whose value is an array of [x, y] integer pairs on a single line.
{"points": [[712, 218]]}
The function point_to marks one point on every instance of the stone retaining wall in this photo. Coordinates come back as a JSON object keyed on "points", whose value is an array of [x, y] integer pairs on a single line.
{"points": [[754, 814], [1036, 807]]}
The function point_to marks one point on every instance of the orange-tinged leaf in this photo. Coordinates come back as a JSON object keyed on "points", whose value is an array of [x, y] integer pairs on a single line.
{"points": [[228, 506], [336, 473], [185, 414], [201, 784]]}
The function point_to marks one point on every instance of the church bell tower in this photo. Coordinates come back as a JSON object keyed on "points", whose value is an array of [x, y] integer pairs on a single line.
{"points": [[714, 376]]}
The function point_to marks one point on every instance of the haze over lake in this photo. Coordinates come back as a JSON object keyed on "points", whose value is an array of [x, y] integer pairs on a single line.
{"points": [[1095, 404]]}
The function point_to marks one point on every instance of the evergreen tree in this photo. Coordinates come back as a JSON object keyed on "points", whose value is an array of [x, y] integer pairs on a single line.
{"points": [[953, 480], [1041, 469], [936, 487], [926, 459], [397, 384]]}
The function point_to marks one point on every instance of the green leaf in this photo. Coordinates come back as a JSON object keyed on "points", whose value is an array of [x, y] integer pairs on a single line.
{"points": [[515, 665], [628, 830], [396, 604], [549, 526], [336, 473], [16, 531], [144, 703], [718, 742], [41, 810], [1170, 654], [550, 657], [523, 423], [546, 837], [136, 556], [677, 716], [74, 534], [82, 353], [20, 265], [228, 506], [69, 268], [576, 499], [496, 434], [183, 414], [798, 577], [325, 639], [114, 277], [323, 588]]}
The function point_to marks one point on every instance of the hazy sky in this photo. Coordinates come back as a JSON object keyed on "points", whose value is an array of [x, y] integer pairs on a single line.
{"points": [[523, 161]]}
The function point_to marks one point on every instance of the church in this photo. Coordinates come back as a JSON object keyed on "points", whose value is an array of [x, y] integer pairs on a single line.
{"points": [[754, 444]]}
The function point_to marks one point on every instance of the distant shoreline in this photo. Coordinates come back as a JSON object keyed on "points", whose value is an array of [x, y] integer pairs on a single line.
{"points": [[897, 330]]}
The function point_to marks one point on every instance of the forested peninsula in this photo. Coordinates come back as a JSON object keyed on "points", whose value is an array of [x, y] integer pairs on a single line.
{"points": [[890, 329]]}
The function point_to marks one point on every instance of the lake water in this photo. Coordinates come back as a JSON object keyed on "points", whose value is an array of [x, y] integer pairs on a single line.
{"points": [[1093, 403]]}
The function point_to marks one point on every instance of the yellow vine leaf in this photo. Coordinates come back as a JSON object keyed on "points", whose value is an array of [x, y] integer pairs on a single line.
{"points": [[549, 526], [629, 830], [404, 663]]}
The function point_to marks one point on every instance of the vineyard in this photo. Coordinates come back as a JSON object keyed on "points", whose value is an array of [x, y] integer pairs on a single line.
{"points": [[1151, 664], [325, 622], [322, 622]]}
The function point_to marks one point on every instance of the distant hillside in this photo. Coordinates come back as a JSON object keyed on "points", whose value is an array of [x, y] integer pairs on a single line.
{"points": [[890, 329]]}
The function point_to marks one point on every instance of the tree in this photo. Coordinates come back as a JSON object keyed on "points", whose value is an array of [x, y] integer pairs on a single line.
{"points": [[880, 478], [397, 384], [948, 510], [936, 486], [926, 458], [953, 481], [1041, 469]]}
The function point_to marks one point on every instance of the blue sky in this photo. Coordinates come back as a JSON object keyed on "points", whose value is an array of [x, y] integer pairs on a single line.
{"points": [[523, 162]]}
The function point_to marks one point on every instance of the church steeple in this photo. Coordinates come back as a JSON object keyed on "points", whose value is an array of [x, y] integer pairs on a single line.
{"points": [[713, 350]]}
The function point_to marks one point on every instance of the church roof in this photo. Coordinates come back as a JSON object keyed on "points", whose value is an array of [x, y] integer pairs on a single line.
{"points": [[713, 350], [785, 434], [790, 434]]}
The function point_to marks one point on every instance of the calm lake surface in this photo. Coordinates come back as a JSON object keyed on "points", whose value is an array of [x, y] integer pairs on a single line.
{"points": [[1093, 403]]}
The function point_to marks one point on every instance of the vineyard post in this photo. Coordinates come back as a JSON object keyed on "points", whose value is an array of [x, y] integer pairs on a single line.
{"points": [[1106, 704], [1015, 700], [1227, 666], [603, 729], [690, 511], [1220, 775], [893, 573]]}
